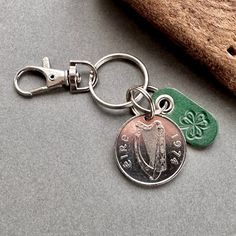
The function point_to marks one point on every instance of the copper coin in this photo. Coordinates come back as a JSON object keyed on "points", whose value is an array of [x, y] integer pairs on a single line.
{"points": [[150, 152]]}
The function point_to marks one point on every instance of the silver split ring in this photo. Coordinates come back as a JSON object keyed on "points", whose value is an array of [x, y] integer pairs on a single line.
{"points": [[119, 56]]}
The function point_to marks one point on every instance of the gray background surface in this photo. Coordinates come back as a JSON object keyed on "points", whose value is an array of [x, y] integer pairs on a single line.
{"points": [[58, 175]]}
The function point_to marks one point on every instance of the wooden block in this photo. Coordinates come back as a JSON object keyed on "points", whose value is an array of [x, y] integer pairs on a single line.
{"points": [[206, 29]]}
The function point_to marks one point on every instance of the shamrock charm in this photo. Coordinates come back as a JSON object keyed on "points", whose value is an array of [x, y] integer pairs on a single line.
{"points": [[197, 124], [194, 124]]}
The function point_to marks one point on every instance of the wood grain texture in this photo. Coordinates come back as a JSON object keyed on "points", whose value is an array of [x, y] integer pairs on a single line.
{"points": [[206, 29]]}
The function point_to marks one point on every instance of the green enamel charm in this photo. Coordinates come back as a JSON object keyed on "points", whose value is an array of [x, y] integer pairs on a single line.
{"points": [[198, 125]]}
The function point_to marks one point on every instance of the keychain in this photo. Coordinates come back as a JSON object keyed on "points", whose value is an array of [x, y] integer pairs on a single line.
{"points": [[150, 147]]}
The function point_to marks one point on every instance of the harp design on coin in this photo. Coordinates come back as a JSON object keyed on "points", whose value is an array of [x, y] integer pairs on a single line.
{"points": [[150, 148]]}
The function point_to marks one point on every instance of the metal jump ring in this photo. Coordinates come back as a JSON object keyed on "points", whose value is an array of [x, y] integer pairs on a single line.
{"points": [[122, 56], [151, 112], [168, 105], [130, 96]]}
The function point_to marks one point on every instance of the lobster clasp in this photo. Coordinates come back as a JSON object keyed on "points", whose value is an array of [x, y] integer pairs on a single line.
{"points": [[54, 78]]}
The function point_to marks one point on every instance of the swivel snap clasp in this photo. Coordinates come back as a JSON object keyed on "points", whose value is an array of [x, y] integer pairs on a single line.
{"points": [[56, 78]]}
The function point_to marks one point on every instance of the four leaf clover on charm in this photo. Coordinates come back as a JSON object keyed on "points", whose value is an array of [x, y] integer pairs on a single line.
{"points": [[194, 124]]}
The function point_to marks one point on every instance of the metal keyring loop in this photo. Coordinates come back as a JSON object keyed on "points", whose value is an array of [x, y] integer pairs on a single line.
{"points": [[151, 112], [119, 56]]}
